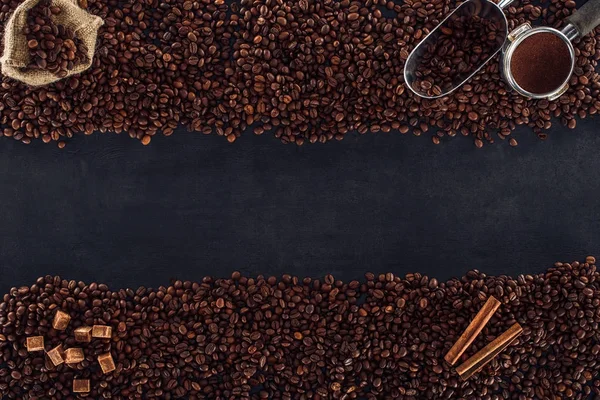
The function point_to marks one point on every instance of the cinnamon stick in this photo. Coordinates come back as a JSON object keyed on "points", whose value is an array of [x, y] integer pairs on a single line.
{"points": [[474, 328], [488, 353]]}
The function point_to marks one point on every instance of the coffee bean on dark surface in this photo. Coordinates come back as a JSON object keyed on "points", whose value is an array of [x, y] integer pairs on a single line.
{"points": [[301, 70], [381, 337], [460, 46], [541, 63], [52, 47]]}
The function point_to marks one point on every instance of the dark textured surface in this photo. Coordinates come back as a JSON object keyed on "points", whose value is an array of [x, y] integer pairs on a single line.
{"points": [[108, 209]]}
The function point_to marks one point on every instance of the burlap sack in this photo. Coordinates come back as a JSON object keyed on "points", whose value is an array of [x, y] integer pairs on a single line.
{"points": [[16, 52]]}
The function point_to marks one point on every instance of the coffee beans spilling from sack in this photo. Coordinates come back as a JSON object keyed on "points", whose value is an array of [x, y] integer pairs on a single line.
{"points": [[301, 70], [47, 40], [52, 47]]}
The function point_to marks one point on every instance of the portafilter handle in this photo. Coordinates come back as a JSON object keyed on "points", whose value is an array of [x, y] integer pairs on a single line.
{"points": [[583, 21]]}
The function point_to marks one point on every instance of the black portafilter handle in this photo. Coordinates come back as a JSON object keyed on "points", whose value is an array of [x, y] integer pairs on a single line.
{"points": [[586, 18]]}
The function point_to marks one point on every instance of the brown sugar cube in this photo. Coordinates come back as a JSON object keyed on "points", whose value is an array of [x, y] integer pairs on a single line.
{"points": [[81, 385], [35, 343], [74, 355], [102, 331], [106, 363], [83, 334], [56, 355], [61, 320]]}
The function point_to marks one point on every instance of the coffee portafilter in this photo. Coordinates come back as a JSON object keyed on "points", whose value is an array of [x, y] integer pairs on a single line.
{"points": [[579, 24]]}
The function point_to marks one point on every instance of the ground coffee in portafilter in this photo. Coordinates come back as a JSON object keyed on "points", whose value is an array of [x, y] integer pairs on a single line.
{"points": [[303, 71], [462, 45], [378, 338], [541, 63]]}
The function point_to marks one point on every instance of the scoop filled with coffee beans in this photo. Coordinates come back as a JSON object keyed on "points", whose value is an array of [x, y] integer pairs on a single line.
{"points": [[461, 45]]}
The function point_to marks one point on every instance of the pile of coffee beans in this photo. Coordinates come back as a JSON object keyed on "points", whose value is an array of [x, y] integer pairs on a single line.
{"points": [[303, 70], [52, 47], [452, 54], [383, 337]]}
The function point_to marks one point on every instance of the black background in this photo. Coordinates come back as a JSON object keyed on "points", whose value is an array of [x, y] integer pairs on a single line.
{"points": [[108, 209]]}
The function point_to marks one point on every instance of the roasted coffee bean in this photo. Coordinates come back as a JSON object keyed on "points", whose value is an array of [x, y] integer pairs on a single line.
{"points": [[306, 71], [265, 338]]}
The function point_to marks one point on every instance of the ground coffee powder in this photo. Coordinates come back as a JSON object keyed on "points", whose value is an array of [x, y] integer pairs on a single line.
{"points": [[541, 63]]}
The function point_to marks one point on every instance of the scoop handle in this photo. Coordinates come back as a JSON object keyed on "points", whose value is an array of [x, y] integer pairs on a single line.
{"points": [[504, 3], [586, 18]]}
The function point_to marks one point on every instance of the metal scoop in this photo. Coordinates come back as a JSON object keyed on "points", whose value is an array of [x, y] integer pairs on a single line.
{"points": [[482, 8]]}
